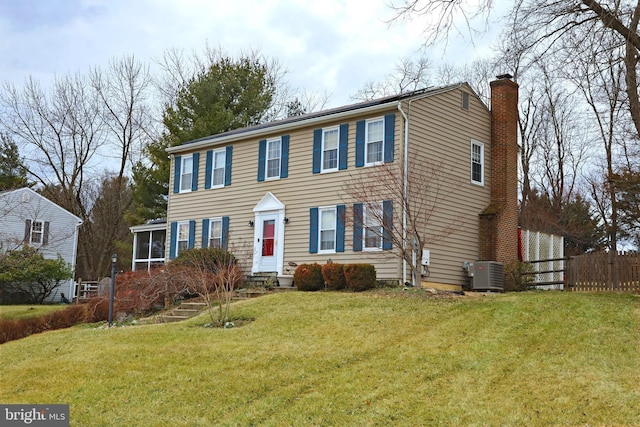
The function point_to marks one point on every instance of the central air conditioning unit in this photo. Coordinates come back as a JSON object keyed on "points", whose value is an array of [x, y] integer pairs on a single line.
{"points": [[486, 276]]}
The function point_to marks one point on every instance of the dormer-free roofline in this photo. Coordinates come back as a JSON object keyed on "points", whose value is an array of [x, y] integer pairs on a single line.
{"points": [[307, 119]]}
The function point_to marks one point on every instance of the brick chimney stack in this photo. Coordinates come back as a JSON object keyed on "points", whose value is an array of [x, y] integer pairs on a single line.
{"points": [[499, 221]]}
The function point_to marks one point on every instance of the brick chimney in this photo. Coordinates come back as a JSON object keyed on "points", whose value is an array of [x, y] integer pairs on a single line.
{"points": [[499, 221]]}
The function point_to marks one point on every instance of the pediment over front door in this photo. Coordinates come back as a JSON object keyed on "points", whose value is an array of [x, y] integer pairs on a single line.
{"points": [[269, 203]]}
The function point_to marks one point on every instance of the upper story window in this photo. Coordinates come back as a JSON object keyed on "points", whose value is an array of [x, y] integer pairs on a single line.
{"points": [[330, 149], [186, 176], [477, 162], [218, 167], [37, 231], [185, 173], [374, 141], [273, 158], [217, 174]]}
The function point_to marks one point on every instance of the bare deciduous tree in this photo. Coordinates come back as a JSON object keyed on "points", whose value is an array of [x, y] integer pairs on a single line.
{"points": [[419, 197]]}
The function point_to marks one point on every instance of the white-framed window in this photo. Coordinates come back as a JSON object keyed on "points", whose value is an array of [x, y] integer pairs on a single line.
{"points": [[374, 141], [274, 153], [330, 152], [37, 232], [372, 227], [215, 233], [327, 229], [182, 241], [218, 168], [477, 162], [186, 173]]}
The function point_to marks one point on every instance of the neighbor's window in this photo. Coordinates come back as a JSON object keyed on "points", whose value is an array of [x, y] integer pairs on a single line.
{"points": [[372, 226], [37, 230], [183, 237], [217, 173], [273, 158], [477, 162], [186, 173], [374, 141], [215, 233], [327, 229], [330, 139]]}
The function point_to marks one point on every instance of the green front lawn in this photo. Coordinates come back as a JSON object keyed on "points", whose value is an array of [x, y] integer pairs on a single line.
{"points": [[528, 359], [15, 312]]}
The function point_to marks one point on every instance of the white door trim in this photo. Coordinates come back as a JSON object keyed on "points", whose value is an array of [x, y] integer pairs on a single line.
{"points": [[268, 207]]}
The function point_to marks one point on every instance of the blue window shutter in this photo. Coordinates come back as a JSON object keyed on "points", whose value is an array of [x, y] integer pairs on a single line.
{"points": [[317, 150], [313, 230], [343, 147], [205, 233], [174, 240], [192, 234], [225, 232], [262, 158], [227, 165], [340, 211], [208, 169], [196, 166], [284, 159], [177, 163], [360, 143], [387, 224], [389, 131], [357, 227]]}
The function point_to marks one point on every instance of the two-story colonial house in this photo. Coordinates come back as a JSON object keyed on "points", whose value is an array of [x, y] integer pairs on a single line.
{"points": [[275, 194], [28, 218]]}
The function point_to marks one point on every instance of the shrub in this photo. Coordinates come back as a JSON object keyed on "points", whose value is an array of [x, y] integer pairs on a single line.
{"points": [[211, 259], [360, 277], [333, 275], [142, 292], [517, 276], [308, 277]]}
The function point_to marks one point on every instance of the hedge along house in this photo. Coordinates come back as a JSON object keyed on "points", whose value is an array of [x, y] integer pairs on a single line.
{"points": [[279, 194]]}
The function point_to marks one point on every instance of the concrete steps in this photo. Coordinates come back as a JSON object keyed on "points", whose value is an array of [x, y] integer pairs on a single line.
{"points": [[184, 311]]}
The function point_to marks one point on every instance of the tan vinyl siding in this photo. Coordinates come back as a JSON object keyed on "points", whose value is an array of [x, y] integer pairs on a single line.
{"points": [[442, 131], [439, 127]]}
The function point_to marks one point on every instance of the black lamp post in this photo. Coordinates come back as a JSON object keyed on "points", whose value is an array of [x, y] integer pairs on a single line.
{"points": [[114, 260]]}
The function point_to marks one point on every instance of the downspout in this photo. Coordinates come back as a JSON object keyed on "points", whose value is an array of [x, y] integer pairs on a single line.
{"points": [[405, 190], [406, 175]]}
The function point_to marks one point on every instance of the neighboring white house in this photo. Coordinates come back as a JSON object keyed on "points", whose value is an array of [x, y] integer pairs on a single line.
{"points": [[28, 218]]}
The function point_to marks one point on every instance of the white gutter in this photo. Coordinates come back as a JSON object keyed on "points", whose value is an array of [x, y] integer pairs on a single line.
{"points": [[407, 118]]}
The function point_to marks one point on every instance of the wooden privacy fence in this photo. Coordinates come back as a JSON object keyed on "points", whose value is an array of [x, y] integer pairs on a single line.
{"points": [[602, 271]]}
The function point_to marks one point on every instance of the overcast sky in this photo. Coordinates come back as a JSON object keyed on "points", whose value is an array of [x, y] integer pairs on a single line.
{"points": [[332, 46]]}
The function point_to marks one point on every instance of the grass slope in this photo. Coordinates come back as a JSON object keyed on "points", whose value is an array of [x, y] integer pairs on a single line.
{"points": [[534, 359], [16, 312]]}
